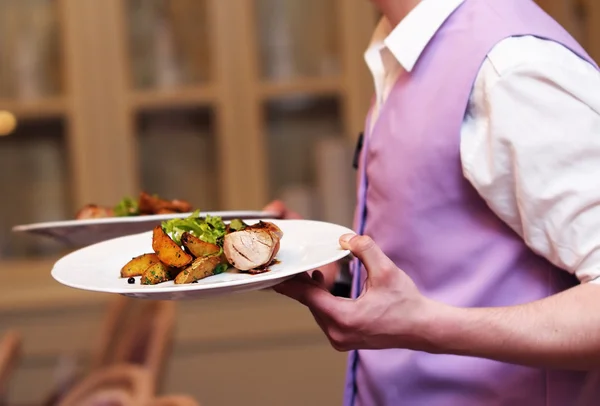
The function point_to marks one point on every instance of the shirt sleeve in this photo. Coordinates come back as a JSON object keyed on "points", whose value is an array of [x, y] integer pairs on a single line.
{"points": [[530, 146]]}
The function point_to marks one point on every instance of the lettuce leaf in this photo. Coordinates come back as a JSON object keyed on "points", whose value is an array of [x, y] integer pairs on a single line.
{"points": [[209, 229], [127, 207], [237, 225]]}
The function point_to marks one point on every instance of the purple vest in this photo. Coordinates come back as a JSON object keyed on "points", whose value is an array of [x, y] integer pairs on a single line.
{"points": [[414, 201]]}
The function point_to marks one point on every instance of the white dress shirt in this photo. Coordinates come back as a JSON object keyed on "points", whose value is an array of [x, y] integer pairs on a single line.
{"points": [[530, 140]]}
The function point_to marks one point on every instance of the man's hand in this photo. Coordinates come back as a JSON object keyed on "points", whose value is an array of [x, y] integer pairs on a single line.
{"points": [[389, 313], [280, 210], [561, 331]]}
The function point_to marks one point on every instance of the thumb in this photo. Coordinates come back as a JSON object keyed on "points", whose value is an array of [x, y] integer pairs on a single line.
{"points": [[379, 267]]}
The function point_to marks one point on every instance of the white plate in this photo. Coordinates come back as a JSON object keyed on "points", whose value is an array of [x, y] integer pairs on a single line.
{"points": [[84, 232], [306, 245]]}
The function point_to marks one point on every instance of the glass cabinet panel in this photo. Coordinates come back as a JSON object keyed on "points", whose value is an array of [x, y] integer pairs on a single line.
{"points": [[177, 152], [29, 45], [297, 38], [168, 42], [310, 161], [33, 159], [35, 181]]}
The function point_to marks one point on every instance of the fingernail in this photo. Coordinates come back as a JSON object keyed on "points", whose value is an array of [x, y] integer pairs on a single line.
{"points": [[347, 237]]}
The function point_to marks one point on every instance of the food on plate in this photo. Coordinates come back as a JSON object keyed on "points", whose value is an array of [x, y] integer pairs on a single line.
{"points": [[138, 265], [93, 211], [201, 268], [197, 247], [146, 204], [167, 251], [252, 248], [157, 273], [126, 207], [193, 248]]}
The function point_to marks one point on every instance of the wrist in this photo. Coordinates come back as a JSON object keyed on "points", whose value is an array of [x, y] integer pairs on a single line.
{"points": [[439, 326]]}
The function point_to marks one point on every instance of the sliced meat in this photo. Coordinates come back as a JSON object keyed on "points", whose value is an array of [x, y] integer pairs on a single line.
{"points": [[253, 247], [268, 226]]}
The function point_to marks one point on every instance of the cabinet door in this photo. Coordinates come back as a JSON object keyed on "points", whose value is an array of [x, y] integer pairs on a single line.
{"points": [[168, 44], [30, 68], [310, 159], [298, 38], [35, 177], [171, 99], [302, 97], [176, 150]]}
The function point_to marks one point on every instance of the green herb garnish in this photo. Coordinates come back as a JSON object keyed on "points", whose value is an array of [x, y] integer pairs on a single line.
{"points": [[237, 225], [127, 207], [209, 229], [220, 268]]}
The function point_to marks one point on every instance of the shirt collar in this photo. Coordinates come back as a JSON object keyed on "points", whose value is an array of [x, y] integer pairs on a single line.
{"points": [[408, 40]]}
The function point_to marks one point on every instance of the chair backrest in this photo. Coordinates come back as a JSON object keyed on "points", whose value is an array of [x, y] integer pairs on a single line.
{"points": [[174, 400], [10, 353], [133, 331], [136, 332], [122, 385], [147, 337], [109, 397], [114, 320]]}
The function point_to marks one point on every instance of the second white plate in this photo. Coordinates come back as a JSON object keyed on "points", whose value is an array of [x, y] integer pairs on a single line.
{"points": [[79, 233]]}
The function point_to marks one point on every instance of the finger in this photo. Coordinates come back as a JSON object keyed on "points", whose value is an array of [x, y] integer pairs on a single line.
{"points": [[310, 293], [291, 285], [378, 265], [296, 287], [318, 277]]}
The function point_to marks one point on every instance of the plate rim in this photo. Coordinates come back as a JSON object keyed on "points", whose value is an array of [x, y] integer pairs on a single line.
{"points": [[199, 288], [48, 225]]}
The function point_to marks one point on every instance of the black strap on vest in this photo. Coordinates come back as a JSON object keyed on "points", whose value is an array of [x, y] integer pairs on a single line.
{"points": [[357, 150]]}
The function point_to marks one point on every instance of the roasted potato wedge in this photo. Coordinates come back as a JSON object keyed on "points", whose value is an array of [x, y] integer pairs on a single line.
{"points": [[197, 247], [138, 265], [168, 251], [157, 273], [200, 268]]}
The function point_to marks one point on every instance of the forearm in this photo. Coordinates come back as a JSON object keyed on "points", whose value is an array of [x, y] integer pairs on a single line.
{"points": [[561, 331]]}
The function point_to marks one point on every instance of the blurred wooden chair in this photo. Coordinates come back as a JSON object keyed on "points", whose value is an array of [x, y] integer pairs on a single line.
{"points": [[147, 337], [110, 331], [117, 385], [10, 353], [134, 332], [174, 400]]}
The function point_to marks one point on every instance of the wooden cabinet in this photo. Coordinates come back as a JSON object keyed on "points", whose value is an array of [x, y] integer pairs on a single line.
{"points": [[34, 171], [225, 103]]}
